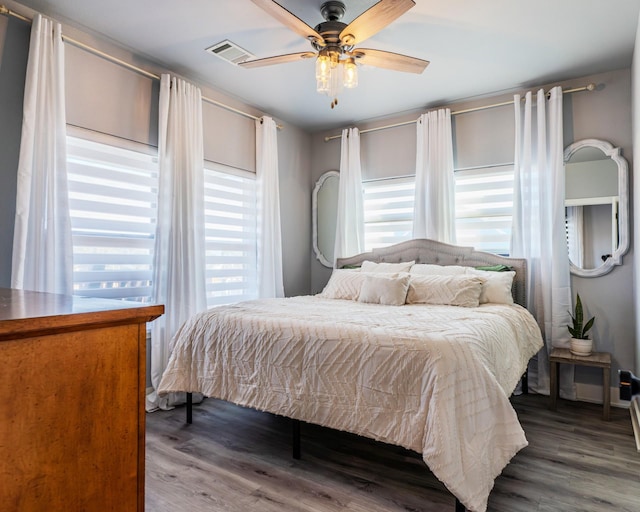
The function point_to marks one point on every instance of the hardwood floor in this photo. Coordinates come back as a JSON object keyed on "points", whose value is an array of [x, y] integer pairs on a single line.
{"points": [[239, 460]]}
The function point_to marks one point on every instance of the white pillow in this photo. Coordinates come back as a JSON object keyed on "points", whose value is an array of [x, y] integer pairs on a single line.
{"points": [[389, 289], [428, 269], [343, 284], [497, 286], [387, 268], [451, 290]]}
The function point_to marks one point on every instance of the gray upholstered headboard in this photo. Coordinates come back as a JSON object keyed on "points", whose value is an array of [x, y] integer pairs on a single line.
{"points": [[430, 251]]}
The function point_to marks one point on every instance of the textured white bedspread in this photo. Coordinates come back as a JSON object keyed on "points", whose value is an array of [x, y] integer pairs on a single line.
{"points": [[434, 379]]}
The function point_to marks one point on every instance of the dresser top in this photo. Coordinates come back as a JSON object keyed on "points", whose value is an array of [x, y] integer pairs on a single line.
{"points": [[31, 313]]}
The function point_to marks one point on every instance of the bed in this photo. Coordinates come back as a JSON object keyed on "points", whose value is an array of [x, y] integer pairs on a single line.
{"points": [[426, 375]]}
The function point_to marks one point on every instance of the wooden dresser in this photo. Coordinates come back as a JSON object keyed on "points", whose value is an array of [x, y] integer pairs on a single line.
{"points": [[72, 418]]}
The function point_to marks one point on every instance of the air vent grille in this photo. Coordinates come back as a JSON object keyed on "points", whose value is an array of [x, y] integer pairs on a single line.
{"points": [[230, 52]]}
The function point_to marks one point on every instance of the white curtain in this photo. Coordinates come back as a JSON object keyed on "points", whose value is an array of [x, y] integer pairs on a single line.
{"points": [[42, 257], [539, 226], [270, 280], [179, 258], [434, 211], [350, 215]]}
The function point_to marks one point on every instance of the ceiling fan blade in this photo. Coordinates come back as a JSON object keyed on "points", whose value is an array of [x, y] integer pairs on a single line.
{"points": [[389, 60], [289, 19], [373, 20], [279, 59]]}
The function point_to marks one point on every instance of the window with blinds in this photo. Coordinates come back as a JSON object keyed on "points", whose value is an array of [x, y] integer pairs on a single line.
{"points": [[388, 211], [484, 206], [231, 235], [113, 202]]}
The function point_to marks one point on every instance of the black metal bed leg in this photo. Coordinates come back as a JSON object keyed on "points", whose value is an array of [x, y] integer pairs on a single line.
{"points": [[189, 408], [525, 382], [459, 506], [296, 439]]}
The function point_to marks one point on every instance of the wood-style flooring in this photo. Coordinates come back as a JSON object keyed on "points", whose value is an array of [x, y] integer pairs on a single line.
{"points": [[239, 460]]}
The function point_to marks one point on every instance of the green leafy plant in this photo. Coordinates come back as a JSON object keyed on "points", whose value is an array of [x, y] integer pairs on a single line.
{"points": [[580, 329]]}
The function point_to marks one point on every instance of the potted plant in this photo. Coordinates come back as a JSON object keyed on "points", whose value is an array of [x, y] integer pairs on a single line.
{"points": [[580, 343]]}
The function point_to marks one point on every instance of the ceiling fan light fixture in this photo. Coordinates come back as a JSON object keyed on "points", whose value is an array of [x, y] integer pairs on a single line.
{"points": [[331, 85], [322, 86], [323, 66], [335, 43], [350, 73], [334, 57]]}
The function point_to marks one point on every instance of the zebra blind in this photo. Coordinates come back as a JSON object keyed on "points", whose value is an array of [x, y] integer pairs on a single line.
{"points": [[112, 201], [231, 236], [484, 208], [388, 211]]}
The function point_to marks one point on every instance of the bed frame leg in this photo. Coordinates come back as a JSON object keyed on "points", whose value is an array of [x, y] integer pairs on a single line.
{"points": [[525, 382], [459, 506], [296, 439], [189, 408]]}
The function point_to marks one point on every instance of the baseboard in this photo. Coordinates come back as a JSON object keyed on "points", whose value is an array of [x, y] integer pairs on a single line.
{"points": [[593, 393]]}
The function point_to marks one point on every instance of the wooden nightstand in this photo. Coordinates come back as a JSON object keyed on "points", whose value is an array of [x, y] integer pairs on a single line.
{"points": [[598, 359]]}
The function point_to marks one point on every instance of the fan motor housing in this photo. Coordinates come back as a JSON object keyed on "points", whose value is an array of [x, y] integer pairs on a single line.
{"points": [[330, 30], [333, 10]]}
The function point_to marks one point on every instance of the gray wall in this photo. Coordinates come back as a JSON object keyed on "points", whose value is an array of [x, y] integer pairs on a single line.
{"points": [[294, 155], [487, 137], [14, 44], [108, 98], [606, 114]]}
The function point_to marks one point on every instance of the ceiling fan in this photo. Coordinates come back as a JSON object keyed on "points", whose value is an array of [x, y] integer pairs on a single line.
{"points": [[335, 43]]}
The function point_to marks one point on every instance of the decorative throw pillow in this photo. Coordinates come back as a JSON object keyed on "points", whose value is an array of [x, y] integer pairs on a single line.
{"points": [[494, 268], [343, 284], [387, 268], [389, 289], [428, 269], [497, 286], [451, 290]]}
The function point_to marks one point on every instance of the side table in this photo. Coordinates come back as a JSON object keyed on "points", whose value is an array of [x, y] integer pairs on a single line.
{"points": [[597, 359]]}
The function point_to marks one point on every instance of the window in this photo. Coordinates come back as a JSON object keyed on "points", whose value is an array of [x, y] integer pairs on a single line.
{"points": [[484, 206], [112, 201], [231, 236], [388, 211]]}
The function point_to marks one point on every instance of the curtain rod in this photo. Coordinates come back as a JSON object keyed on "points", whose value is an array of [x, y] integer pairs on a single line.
{"points": [[588, 87], [4, 10]]}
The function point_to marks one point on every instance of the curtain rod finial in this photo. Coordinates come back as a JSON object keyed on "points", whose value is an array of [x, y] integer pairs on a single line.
{"points": [[591, 87]]}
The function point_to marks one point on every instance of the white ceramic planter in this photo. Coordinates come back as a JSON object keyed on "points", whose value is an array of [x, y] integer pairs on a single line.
{"points": [[581, 347]]}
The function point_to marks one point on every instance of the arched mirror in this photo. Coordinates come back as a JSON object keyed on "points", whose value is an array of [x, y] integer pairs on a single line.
{"points": [[596, 206], [325, 209]]}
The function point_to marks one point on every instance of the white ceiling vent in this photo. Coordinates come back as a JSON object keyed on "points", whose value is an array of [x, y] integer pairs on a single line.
{"points": [[230, 52]]}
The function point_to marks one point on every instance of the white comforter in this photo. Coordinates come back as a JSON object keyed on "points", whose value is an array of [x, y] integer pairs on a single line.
{"points": [[434, 379]]}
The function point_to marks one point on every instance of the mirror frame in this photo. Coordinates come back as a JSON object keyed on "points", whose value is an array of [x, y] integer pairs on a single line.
{"points": [[314, 208], [623, 205]]}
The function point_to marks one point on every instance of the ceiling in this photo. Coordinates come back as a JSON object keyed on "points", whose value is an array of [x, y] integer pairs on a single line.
{"points": [[476, 47]]}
